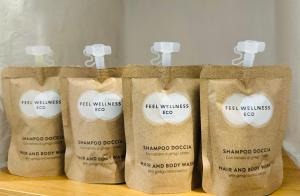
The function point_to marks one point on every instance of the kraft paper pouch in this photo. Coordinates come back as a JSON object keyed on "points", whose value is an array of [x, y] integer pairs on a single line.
{"points": [[32, 103], [161, 108], [243, 119], [4, 131], [93, 124]]}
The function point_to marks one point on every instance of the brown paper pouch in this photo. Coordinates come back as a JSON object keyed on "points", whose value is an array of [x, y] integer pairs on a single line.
{"points": [[93, 124], [243, 119], [32, 103], [161, 107]]}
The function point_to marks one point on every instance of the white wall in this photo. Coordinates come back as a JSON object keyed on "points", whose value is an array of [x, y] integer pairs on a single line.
{"points": [[207, 29], [288, 42], [66, 25]]}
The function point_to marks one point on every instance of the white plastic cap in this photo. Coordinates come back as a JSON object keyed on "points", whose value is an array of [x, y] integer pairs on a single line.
{"points": [[166, 48], [98, 51], [41, 54], [250, 48]]}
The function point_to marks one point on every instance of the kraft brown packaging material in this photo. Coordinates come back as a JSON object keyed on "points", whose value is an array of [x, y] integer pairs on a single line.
{"points": [[93, 124], [32, 103], [243, 119], [4, 131], [161, 108]]}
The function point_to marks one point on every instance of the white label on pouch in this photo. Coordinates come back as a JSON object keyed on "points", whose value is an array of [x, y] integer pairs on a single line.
{"points": [[163, 108], [231, 109], [93, 105], [255, 110], [85, 105], [40, 104], [151, 108]]}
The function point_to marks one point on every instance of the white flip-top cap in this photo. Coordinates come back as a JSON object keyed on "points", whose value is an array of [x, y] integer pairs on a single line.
{"points": [[39, 52], [166, 48], [250, 48], [98, 51]]}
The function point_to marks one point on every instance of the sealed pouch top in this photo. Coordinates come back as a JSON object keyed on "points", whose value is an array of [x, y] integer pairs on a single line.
{"points": [[32, 102], [93, 124], [161, 107], [153, 71], [243, 118]]}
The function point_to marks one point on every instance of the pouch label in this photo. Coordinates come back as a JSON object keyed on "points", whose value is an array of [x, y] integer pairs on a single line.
{"points": [[93, 105], [161, 108], [241, 110], [40, 104]]}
